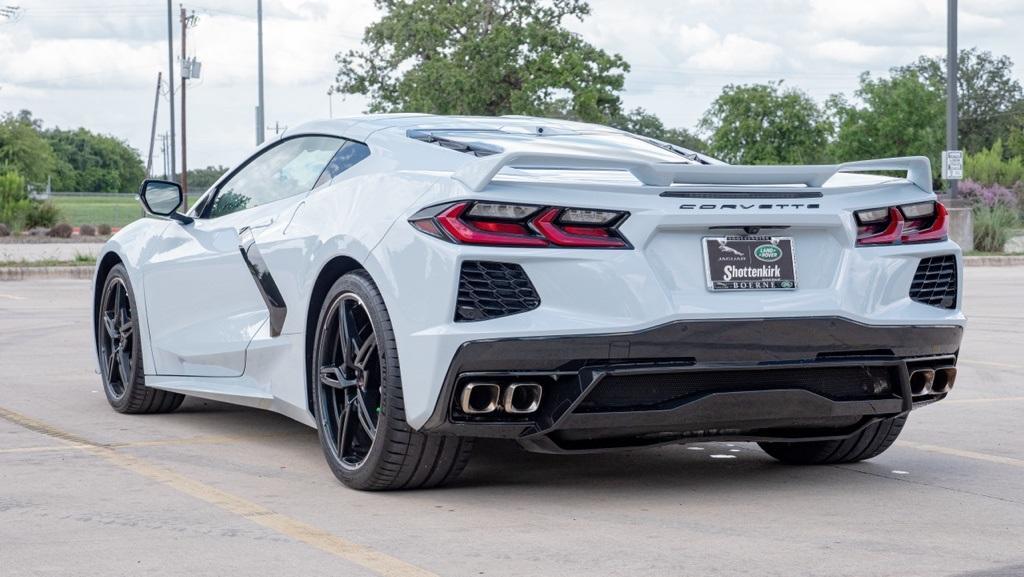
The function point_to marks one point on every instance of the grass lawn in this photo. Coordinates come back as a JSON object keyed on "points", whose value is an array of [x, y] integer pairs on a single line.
{"points": [[116, 211]]}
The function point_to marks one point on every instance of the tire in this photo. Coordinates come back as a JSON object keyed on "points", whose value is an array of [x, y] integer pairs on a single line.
{"points": [[361, 385], [870, 442], [119, 351]]}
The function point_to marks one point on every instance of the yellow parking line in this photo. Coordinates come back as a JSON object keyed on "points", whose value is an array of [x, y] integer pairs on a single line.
{"points": [[200, 440], [362, 555], [962, 453]]}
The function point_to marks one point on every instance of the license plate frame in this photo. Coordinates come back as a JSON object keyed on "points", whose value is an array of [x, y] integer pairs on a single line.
{"points": [[758, 263]]}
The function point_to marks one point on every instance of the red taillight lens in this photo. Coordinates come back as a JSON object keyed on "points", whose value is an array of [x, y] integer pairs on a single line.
{"points": [[520, 225], [907, 224], [473, 232], [586, 237]]}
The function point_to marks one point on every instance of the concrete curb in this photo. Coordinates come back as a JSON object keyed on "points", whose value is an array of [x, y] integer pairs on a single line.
{"points": [[46, 272], [1008, 260]]}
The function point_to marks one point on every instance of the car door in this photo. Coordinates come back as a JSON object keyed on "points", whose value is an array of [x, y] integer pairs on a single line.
{"points": [[203, 291]]}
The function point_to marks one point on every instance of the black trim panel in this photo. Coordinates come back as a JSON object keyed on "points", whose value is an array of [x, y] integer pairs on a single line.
{"points": [[264, 280], [734, 195], [575, 364]]}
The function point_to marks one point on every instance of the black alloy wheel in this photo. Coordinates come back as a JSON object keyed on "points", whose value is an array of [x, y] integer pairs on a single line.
{"points": [[351, 390], [119, 350], [357, 398], [116, 338]]}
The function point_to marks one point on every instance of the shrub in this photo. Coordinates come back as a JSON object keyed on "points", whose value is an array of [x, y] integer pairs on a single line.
{"points": [[992, 195], [993, 226], [87, 230], [103, 230], [62, 230], [14, 201], [987, 166], [4, 230], [42, 214]]}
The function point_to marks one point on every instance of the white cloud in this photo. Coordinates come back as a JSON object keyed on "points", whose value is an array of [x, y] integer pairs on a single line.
{"points": [[92, 63]]}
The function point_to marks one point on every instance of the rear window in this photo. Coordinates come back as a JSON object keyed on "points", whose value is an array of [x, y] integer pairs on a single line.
{"points": [[488, 142]]}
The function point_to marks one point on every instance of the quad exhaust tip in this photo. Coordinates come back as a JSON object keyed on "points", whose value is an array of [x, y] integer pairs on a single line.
{"points": [[479, 398], [944, 379], [921, 381], [932, 381], [522, 398], [515, 398]]}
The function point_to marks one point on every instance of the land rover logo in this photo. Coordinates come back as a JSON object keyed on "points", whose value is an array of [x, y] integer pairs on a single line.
{"points": [[768, 253]]}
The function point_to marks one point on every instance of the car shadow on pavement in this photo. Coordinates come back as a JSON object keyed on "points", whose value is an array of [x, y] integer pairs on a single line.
{"points": [[704, 468]]}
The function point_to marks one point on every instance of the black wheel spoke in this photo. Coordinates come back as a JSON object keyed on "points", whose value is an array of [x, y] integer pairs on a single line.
{"points": [[332, 377], [344, 414], [111, 363], [365, 352], [364, 416], [109, 325], [124, 365], [348, 334]]}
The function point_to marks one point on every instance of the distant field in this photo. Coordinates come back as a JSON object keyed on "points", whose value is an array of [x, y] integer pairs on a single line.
{"points": [[115, 210]]}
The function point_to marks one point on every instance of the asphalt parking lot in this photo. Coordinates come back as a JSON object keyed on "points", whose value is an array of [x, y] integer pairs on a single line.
{"points": [[220, 490]]}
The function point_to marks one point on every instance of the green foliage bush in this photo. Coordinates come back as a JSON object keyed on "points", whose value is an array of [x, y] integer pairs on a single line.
{"points": [[4, 230], [14, 201], [62, 230], [988, 166], [103, 230], [87, 230], [993, 226], [42, 214]]}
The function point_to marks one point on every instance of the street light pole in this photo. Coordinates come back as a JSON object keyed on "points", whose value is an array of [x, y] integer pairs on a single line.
{"points": [[259, 64], [951, 86], [170, 80]]}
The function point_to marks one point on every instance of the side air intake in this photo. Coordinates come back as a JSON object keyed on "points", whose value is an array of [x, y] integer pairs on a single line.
{"points": [[489, 290], [935, 282]]}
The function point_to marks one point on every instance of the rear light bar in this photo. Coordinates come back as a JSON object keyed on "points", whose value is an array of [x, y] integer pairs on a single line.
{"points": [[522, 225], [905, 224]]}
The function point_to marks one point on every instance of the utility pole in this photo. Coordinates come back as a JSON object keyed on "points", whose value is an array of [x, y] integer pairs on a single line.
{"points": [[170, 78], [951, 87], [152, 130], [260, 111], [184, 83]]}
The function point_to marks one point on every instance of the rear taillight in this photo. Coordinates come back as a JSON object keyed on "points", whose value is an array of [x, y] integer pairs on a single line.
{"points": [[906, 224], [522, 225]]}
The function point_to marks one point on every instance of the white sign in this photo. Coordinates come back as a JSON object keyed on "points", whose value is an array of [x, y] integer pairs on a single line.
{"points": [[952, 164]]}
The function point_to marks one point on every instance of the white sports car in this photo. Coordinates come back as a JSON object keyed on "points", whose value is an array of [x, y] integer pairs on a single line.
{"points": [[407, 283]]}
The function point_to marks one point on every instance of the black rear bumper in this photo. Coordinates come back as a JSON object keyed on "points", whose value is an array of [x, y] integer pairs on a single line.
{"points": [[746, 379]]}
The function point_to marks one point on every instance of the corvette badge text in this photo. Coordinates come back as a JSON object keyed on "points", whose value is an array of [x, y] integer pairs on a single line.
{"points": [[748, 206]]}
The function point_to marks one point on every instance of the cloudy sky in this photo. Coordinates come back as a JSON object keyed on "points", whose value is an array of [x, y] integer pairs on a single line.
{"points": [[94, 63]]}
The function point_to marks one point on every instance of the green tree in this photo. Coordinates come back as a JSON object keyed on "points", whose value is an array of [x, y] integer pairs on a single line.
{"points": [[989, 94], [203, 178], [639, 121], [901, 115], [766, 124], [487, 57], [90, 162], [23, 149]]}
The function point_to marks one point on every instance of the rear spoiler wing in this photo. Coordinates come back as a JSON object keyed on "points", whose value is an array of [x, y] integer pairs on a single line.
{"points": [[478, 174]]}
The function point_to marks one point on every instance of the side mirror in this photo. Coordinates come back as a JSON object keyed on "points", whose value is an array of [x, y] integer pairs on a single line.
{"points": [[162, 198]]}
